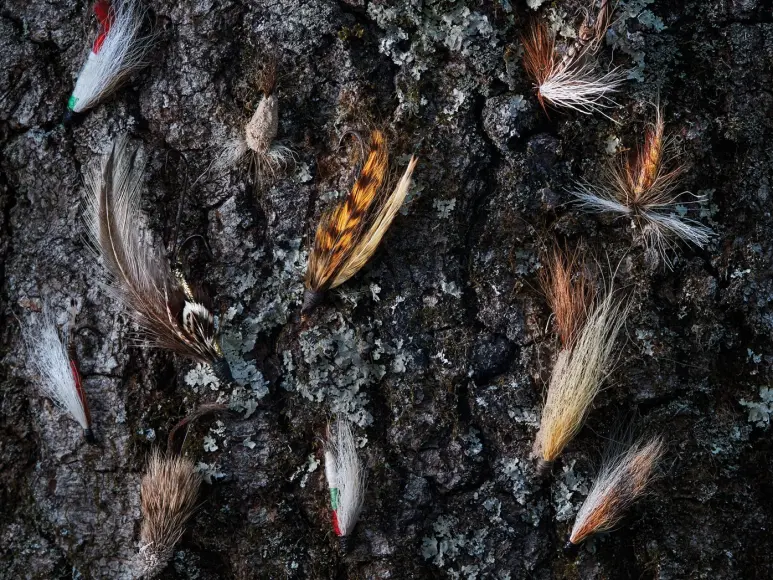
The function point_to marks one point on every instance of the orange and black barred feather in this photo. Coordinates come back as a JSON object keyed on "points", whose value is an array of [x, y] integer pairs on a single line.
{"points": [[341, 231]]}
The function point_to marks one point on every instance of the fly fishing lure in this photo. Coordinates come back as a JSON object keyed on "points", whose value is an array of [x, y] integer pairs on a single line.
{"points": [[348, 236], [642, 186], [577, 377], [346, 480], [571, 80], [168, 495], [257, 142], [623, 478], [118, 51], [60, 380], [174, 314]]}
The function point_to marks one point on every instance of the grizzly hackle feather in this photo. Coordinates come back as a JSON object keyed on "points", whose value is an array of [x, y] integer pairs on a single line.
{"points": [[568, 290], [168, 494], [173, 315], [348, 236], [571, 80], [623, 478], [643, 186], [60, 380], [577, 377]]}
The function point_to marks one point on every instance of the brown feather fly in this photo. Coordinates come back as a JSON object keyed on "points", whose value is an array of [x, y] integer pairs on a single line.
{"points": [[348, 236], [173, 314]]}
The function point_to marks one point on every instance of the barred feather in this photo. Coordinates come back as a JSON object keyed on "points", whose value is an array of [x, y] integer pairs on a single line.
{"points": [[172, 314], [346, 478], [59, 377], [168, 495], [118, 51], [623, 478], [347, 237]]}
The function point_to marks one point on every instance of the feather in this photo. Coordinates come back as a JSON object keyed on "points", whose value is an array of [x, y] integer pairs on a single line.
{"points": [[347, 237], [577, 377], [623, 478], [59, 377], [571, 81], [644, 187], [168, 495], [346, 479], [172, 314], [118, 51]]}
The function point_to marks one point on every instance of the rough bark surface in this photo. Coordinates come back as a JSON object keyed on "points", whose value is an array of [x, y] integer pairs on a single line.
{"points": [[440, 349]]}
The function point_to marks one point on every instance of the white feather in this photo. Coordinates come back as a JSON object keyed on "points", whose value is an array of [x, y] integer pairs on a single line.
{"points": [[47, 353], [122, 53], [345, 472]]}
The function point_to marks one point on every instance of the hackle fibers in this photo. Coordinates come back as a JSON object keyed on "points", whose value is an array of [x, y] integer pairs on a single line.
{"points": [[60, 380], [168, 494], [572, 80], [348, 236], [257, 142], [173, 314], [346, 480], [568, 290], [577, 378], [623, 478], [643, 186], [118, 51]]}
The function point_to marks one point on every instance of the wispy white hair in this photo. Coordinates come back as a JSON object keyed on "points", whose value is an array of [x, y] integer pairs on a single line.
{"points": [[580, 87], [47, 355], [345, 472], [122, 53]]}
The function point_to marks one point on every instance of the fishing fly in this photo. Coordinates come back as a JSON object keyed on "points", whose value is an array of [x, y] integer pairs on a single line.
{"points": [[118, 51], [173, 313], [348, 236]]}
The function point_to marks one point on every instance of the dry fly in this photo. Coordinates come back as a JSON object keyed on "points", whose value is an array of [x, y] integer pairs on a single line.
{"points": [[571, 80], [174, 314], [168, 494], [568, 291], [257, 142], [348, 236], [623, 478], [643, 186], [118, 51], [577, 377], [48, 354], [346, 480]]}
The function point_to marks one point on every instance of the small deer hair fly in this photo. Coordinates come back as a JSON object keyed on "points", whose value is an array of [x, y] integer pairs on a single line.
{"points": [[623, 478], [173, 314], [346, 480], [572, 80], [57, 368], [257, 142], [168, 495], [577, 377], [348, 236], [568, 290], [643, 186], [118, 51]]}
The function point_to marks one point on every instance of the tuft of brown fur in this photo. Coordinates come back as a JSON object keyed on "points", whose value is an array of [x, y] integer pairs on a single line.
{"points": [[568, 291], [168, 492], [623, 478], [348, 236], [539, 54]]}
